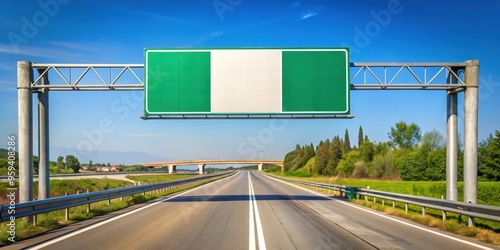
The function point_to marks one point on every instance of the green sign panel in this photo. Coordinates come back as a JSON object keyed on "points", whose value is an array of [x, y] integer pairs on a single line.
{"points": [[246, 81]]}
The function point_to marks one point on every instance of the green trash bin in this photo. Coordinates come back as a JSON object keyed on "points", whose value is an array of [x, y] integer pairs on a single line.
{"points": [[350, 192]]}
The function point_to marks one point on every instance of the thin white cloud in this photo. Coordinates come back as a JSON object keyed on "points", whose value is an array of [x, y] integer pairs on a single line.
{"points": [[8, 67], [307, 15], [38, 51], [76, 46], [208, 37], [54, 50], [163, 17]]}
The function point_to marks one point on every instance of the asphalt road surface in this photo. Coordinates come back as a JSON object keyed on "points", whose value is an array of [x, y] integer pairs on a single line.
{"points": [[248, 211]]}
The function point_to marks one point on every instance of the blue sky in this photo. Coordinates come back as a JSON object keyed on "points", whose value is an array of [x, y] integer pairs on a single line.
{"points": [[118, 32]]}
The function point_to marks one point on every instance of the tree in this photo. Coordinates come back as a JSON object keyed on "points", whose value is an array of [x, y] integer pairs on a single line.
{"points": [[411, 164], [60, 162], [347, 142], [382, 166], [73, 163], [436, 165], [36, 164], [360, 170], [335, 154], [404, 135], [367, 151], [346, 165], [360, 136], [432, 140], [489, 158], [381, 148], [322, 157], [288, 162]]}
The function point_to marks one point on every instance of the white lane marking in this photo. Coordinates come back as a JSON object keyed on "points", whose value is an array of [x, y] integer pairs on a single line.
{"points": [[260, 232], [251, 229], [48, 243], [389, 218], [253, 202]]}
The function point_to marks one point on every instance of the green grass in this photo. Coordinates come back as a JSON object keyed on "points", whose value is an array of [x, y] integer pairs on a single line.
{"points": [[144, 179], [60, 187]]}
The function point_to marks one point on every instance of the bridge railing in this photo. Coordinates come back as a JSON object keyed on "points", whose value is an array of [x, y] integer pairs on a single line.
{"points": [[33, 208], [206, 162], [471, 210]]}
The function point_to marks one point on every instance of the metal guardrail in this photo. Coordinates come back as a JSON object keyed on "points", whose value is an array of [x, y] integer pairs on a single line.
{"points": [[471, 210], [64, 202]]}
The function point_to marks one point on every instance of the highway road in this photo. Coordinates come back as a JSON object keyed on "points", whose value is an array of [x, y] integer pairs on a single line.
{"points": [[248, 211]]}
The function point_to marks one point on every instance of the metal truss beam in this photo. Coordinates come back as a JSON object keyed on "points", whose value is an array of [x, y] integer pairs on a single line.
{"points": [[89, 76], [365, 76], [391, 76]]}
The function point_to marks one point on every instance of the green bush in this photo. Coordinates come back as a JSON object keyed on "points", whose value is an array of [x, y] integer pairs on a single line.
{"points": [[49, 222], [136, 199], [298, 173]]}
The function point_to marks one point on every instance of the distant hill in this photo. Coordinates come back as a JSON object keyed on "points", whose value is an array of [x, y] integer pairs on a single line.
{"points": [[4, 153]]}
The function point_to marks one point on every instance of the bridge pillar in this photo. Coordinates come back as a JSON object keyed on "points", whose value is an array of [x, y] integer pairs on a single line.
{"points": [[201, 169], [261, 166], [171, 169]]}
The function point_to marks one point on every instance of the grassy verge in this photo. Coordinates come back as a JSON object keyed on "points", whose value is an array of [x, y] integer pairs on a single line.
{"points": [[485, 231], [56, 219], [144, 179]]}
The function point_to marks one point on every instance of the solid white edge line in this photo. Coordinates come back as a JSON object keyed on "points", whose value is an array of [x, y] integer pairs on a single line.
{"points": [[251, 226], [387, 217], [260, 231], [79, 231]]}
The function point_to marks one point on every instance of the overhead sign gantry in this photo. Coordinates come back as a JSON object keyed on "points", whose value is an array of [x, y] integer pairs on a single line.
{"points": [[452, 77]]}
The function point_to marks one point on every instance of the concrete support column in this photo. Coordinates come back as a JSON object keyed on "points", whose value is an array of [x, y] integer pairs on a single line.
{"points": [[452, 139], [470, 131], [43, 139], [201, 168], [171, 169], [261, 166], [25, 131]]}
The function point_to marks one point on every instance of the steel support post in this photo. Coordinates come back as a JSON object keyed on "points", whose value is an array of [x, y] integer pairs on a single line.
{"points": [[25, 131], [470, 132], [43, 139], [451, 139]]}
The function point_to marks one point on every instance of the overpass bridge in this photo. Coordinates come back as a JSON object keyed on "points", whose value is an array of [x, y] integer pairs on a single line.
{"points": [[201, 163]]}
